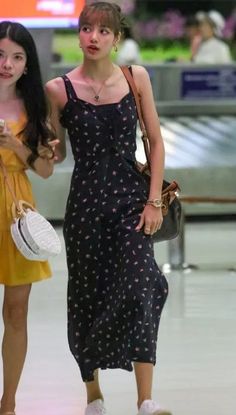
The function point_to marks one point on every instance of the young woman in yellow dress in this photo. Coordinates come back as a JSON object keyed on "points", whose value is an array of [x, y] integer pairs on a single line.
{"points": [[24, 137]]}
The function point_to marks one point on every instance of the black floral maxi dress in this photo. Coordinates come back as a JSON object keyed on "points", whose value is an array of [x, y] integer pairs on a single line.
{"points": [[116, 291]]}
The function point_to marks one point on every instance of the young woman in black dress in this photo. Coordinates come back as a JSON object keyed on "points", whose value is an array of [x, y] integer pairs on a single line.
{"points": [[116, 291]]}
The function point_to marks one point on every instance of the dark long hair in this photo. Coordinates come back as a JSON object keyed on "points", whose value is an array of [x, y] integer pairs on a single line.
{"points": [[30, 87]]}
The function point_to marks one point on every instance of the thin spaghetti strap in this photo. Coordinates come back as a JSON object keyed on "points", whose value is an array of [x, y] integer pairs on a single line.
{"points": [[71, 94]]}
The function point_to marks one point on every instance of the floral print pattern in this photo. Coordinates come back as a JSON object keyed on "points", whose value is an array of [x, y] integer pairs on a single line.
{"points": [[116, 291]]}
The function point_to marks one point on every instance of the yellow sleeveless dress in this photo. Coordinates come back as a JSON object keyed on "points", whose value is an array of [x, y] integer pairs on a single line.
{"points": [[14, 268]]}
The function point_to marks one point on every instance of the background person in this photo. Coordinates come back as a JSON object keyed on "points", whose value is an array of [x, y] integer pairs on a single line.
{"points": [[192, 32], [212, 49], [128, 52]]}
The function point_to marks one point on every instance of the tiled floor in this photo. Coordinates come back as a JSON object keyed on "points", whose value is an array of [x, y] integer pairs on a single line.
{"points": [[196, 372]]}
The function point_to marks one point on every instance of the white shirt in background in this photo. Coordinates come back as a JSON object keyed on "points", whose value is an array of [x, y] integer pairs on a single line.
{"points": [[128, 53], [213, 51]]}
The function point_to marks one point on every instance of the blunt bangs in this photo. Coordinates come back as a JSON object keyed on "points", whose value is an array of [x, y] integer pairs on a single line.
{"points": [[104, 18]]}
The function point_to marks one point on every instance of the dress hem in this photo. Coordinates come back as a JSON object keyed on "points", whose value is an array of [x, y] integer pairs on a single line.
{"points": [[128, 367], [7, 284]]}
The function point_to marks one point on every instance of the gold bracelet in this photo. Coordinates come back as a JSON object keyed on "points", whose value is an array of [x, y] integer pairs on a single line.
{"points": [[154, 202]]}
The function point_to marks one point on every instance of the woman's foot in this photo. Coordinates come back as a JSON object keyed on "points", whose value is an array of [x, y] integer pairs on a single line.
{"points": [[150, 407], [95, 408]]}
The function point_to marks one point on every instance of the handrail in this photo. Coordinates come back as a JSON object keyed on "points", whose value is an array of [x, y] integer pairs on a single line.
{"points": [[176, 247], [206, 199]]}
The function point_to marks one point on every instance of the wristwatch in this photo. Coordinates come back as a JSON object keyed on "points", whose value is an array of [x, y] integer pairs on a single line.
{"points": [[157, 203]]}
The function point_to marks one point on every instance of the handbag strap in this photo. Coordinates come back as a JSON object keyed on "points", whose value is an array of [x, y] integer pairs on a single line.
{"points": [[133, 87], [8, 184]]}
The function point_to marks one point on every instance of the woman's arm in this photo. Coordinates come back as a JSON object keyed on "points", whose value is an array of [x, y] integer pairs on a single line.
{"points": [[43, 166], [55, 91], [151, 218], [152, 124]]}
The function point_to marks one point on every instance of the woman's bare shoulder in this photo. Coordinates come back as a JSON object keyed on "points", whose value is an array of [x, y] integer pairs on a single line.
{"points": [[56, 92], [141, 77], [54, 85], [140, 71]]}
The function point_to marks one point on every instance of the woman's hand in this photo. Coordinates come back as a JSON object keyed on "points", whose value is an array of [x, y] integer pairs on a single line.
{"points": [[150, 220], [8, 140], [53, 145], [45, 152]]}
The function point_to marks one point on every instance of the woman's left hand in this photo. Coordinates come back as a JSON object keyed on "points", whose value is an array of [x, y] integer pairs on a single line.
{"points": [[150, 220], [8, 140], [53, 144], [48, 152]]}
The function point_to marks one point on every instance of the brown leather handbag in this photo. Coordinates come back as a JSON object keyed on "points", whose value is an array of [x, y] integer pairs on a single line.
{"points": [[171, 206]]}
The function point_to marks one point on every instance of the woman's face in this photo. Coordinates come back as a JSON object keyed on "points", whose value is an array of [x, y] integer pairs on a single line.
{"points": [[192, 31], [96, 40], [12, 61], [206, 30]]}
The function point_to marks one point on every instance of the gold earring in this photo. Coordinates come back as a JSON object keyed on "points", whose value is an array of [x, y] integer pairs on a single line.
{"points": [[115, 48]]}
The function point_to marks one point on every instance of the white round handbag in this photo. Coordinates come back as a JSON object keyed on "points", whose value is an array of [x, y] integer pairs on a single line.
{"points": [[33, 235]]}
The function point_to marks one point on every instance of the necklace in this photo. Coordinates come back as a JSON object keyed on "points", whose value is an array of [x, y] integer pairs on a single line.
{"points": [[97, 93]]}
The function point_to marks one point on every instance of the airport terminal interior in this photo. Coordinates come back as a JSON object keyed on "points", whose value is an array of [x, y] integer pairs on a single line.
{"points": [[196, 366], [195, 372]]}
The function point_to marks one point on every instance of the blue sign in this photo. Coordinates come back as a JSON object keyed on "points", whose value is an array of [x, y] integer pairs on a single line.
{"points": [[200, 84]]}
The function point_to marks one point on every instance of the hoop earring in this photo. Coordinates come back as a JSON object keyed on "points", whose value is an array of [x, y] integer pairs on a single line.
{"points": [[25, 71], [115, 48]]}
